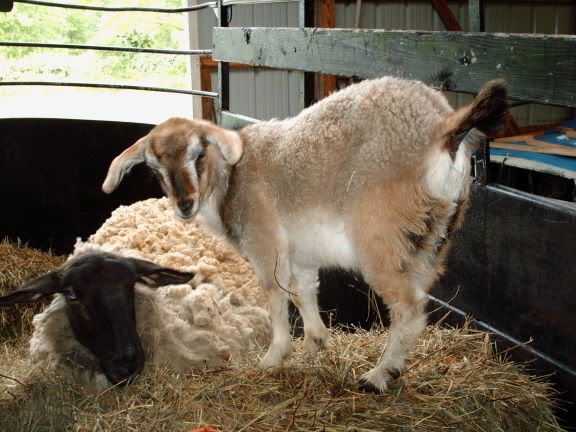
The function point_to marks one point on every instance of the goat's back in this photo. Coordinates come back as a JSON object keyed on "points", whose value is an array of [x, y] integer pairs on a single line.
{"points": [[376, 129]]}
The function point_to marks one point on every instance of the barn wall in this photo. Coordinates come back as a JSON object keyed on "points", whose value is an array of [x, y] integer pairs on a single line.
{"points": [[265, 94]]}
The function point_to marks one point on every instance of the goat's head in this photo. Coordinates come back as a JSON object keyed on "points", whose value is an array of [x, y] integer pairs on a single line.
{"points": [[186, 156], [99, 292]]}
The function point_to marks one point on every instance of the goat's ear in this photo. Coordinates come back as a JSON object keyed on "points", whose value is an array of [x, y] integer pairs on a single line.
{"points": [[123, 163], [156, 276], [34, 290], [228, 141]]}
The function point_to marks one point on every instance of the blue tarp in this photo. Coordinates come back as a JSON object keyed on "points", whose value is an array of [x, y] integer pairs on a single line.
{"points": [[564, 166]]}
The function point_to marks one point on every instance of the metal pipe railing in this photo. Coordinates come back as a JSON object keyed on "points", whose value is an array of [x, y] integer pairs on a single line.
{"points": [[110, 86], [120, 8], [107, 48]]}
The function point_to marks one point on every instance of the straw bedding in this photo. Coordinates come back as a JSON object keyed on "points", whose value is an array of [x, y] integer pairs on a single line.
{"points": [[18, 264], [453, 381]]}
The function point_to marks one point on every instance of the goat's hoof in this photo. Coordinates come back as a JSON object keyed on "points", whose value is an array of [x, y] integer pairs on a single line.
{"points": [[273, 361], [376, 380], [313, 344], [367, 387]]}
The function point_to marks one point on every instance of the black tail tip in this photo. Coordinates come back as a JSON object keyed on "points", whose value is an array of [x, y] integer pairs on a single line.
{"points": [[491, 107], [494, 89]]}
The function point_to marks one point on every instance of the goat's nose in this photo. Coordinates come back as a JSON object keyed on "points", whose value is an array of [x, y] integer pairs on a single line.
{"points": [[185, 206]]}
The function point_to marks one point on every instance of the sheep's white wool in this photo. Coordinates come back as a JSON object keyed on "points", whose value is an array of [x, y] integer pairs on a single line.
{"points": [[180, 326]]}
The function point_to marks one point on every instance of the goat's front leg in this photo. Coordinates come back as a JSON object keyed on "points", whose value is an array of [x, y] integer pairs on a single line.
{"points": [[281, 344], [305, 296], [267, 252]]}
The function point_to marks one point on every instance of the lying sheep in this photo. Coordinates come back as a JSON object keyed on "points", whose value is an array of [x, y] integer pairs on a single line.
{"points": [[105, 320], [374, 178]]}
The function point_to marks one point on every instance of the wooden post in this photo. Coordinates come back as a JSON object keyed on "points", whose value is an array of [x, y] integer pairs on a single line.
{"points": [[206, 84], [475, 14], [327, 19]]}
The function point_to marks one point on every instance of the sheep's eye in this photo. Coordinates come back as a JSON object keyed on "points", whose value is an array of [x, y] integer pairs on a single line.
{"points": [[70, 295], [201, 154]]}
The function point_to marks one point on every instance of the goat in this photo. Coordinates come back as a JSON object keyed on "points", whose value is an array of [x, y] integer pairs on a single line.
{"points": [[99, 293], [374, 178]]}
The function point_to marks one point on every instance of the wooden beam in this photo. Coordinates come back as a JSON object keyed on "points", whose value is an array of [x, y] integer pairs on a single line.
{"points": [[538, 68], [446, 15], [212, 64], [236, 121], [327, 19], [206, 84]]}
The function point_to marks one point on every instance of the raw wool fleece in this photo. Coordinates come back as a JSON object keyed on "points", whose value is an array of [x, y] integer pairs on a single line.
{"points": [[217, 321]]}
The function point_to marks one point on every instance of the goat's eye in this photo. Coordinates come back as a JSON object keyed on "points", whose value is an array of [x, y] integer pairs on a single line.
{"points": [[201, 154]]}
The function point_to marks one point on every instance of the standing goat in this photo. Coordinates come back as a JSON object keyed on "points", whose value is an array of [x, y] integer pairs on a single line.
{"points": [[373, 178]]}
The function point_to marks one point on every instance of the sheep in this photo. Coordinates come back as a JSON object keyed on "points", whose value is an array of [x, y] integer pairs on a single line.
{"points": [[374, 178], [216, 322]]}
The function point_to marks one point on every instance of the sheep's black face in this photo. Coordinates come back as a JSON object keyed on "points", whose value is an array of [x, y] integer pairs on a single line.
{"points": [[99, 291], [100, 295]]}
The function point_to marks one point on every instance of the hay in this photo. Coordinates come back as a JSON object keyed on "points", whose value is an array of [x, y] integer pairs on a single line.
{"points": [[453, 382], [19, 264]]}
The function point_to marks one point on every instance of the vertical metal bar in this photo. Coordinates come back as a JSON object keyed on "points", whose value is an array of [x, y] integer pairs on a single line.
{"points": [[475, 15], [223, 101], [301, 75], [482, 156], [306, 81]]}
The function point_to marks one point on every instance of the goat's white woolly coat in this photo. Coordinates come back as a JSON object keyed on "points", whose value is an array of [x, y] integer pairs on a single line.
{"points": [[217, 321]]}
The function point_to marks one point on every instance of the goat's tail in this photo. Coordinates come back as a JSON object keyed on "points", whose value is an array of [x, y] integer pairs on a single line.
{"points": [[487, 114]]}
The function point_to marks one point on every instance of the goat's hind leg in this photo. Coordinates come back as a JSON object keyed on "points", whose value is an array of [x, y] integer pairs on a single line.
{"points": [[305, 297], [406, 302]]}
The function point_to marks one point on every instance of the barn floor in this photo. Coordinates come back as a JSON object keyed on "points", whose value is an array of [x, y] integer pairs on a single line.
{"points": [[453, 382]]}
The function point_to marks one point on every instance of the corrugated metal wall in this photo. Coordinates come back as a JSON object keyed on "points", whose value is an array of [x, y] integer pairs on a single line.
{"points": [[259, 93], [265, 94]]}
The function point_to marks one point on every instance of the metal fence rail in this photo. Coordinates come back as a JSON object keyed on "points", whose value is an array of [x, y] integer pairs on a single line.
{"points": [[109, 86], [156, 51], [107, 48], [119, 9]]}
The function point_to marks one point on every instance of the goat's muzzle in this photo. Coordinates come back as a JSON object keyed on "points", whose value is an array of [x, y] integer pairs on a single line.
{"points": [[184, 208]]}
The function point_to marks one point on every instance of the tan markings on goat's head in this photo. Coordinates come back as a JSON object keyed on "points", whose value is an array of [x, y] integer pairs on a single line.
{"points": [[186, 155], [181, 155]]}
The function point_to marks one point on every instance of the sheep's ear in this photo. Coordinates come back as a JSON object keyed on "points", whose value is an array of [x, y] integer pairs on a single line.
{"points": [[228, 141], [123, 163], [34, 290], [156, 276]]}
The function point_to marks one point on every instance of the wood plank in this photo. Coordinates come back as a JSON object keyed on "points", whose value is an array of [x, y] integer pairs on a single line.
{"points": [[235, 121], [534, 146], [538, 68], [212, 64], [446, 15]]}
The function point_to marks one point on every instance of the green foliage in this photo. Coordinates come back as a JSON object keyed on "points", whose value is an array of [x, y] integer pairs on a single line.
{"points": [[29, 23]]}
